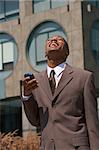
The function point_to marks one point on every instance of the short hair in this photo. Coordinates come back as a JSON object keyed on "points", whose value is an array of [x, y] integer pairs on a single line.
{"points": [[66, 45]]}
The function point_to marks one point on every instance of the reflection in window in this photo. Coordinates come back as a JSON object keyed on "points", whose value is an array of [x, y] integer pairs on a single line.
{"points": [[36, 43], [42, 5], [11, 115], [95, 40], [8, 9]]}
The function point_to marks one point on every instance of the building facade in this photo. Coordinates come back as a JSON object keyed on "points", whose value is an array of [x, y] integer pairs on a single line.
{"points": [[24, 28]]}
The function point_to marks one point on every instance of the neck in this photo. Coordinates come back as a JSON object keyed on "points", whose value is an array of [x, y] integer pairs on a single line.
{"points": [[53, 64]]}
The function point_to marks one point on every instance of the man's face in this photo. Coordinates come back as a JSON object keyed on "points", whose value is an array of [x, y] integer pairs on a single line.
{"points": [[54, 43], [56, 47]]}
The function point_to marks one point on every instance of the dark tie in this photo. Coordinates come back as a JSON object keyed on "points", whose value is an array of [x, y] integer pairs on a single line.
{"points": [[52, 81]]}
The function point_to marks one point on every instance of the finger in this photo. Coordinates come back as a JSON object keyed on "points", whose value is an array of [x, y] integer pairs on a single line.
{"points": [[28, 79], [29, 82], [32, 81], [31, 88], [30, 85]]}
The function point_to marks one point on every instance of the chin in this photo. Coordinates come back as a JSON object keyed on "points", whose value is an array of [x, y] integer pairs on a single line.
{"points": [[52, 51]]}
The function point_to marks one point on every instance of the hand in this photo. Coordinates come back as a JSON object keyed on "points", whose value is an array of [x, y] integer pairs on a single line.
{"points": [[29, 85]]}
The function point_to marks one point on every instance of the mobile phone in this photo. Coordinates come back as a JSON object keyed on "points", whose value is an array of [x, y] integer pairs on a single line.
{"points": [[30, 75]]}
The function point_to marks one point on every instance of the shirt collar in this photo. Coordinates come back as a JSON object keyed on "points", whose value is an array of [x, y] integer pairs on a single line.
{"points": [[58, 69]]}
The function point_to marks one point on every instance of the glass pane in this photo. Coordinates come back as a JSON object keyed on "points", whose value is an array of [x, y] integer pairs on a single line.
{"points": [[47, 27], [93, 2], [10, 116], [95, 41], [97, 4], [58, 3], [1, 9], [32, 52], [1, 57], [11, 7], [40, 47], [8, 55], [58, 32], [41, 5], [4, 37], [97, 45]]}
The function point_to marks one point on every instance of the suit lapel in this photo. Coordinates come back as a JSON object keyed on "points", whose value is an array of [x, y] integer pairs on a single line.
{"points": [[65, 80], [45, 84]]}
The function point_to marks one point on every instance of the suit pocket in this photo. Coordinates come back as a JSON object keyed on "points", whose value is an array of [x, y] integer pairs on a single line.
{"points": [[83, 147], [80, 141]]}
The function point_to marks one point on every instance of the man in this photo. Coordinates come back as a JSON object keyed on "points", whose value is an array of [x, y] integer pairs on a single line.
{"points": [[67, 115]]}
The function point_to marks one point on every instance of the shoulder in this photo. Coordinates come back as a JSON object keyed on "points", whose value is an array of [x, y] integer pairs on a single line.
{"points": [[81, 70], [81, 73]]}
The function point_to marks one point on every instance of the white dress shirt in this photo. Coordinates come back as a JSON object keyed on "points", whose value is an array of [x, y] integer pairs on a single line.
{"points": [[58, 72]]}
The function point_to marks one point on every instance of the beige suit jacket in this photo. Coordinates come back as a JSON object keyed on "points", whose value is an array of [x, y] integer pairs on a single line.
{"points": [[69, 118]]}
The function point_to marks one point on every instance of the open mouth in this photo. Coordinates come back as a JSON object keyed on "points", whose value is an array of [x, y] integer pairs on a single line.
{"points": [[53, 44]]}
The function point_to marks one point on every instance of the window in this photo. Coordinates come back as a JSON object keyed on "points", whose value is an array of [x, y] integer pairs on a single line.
{"points": [[36, 43], [8, 9], [7, 47], [42, 5], [11, 115], [8, 54], [8, 59], [95, 40], [94, 3]]}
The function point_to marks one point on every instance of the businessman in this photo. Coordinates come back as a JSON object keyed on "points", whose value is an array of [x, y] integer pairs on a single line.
{"points": [[61, 100]]}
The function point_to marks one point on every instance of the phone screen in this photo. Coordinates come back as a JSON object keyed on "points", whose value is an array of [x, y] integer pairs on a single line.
{"points": [[29, 75]]}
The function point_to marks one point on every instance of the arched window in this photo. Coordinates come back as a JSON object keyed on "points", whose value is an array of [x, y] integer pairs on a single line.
{"points": [[36, 43], [8, 54], [95, 40]]}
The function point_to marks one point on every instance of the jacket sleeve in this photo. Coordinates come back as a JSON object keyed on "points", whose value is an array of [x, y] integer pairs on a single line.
{"points": [[32, 111], [91, 114]]}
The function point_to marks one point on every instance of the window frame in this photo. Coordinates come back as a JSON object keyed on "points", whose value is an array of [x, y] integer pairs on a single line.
{"points": [[8, 64], [7, 15], [50, 4]]}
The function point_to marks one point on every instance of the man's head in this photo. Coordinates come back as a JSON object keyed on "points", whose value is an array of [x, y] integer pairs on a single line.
{"points": [[56, 49]]}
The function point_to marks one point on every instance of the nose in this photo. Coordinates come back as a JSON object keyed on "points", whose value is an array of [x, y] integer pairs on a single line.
{"points": [[53, 40]]}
